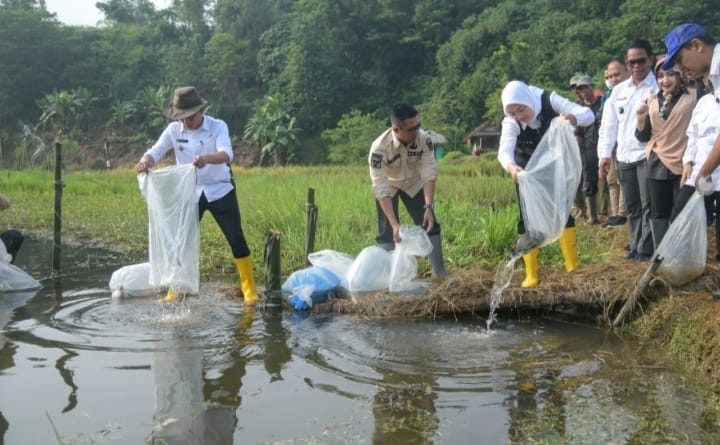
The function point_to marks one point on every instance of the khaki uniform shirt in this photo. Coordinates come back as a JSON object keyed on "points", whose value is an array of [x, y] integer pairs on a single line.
{"points": [[394, 166]]}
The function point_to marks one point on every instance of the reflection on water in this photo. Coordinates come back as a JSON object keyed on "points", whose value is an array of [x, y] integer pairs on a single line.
{"points": [[78, 367]]}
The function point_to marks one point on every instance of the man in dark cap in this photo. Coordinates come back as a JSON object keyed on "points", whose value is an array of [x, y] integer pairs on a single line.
{"points": [[204, 142], [582, 85]]}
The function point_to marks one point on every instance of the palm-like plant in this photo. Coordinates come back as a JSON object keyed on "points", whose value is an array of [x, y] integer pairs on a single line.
{"points": [[148, 106], [272, 129]]}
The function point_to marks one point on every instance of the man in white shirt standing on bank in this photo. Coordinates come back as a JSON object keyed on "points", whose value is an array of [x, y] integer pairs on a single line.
{"points": [[204, 142], [618, 125]]}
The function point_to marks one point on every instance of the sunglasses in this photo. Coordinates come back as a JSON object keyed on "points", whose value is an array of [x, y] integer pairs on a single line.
{"points": [[638, 62], [413, 128]]}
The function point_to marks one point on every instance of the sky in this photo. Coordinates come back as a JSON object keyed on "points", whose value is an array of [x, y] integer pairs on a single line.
{"points": [[84, 12]]}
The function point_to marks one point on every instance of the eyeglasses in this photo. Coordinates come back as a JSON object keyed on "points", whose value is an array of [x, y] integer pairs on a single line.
{"points": [[413, 128], [638, 62]]}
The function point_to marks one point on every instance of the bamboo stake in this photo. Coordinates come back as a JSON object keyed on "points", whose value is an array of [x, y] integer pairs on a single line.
{"points": [[640, 287]]}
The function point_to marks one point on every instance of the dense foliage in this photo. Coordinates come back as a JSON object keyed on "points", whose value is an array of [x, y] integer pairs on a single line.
{"points": [[330, 63]]}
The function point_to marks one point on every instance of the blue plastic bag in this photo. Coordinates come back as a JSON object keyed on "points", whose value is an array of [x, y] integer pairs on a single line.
{"points": [[309, 286]]}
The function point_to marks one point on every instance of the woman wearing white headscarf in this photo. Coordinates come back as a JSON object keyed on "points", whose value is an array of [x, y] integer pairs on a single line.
{"points": [[528, 111]]}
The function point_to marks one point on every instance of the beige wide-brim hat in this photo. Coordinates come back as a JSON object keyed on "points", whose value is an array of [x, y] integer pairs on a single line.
{"points": [[185, 102]]}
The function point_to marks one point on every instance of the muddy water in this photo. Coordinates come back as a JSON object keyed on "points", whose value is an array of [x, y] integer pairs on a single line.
{"points": [[77, 367]]}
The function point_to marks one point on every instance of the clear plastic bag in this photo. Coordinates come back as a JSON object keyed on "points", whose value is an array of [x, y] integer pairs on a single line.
{"points": [[337, 262], [370, 271], [174, 232], [132, 281], [415, 242], [684, 248], [549, 182]]}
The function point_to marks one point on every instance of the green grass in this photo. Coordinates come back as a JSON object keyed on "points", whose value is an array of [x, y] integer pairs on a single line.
{"points": [[475, 203]]}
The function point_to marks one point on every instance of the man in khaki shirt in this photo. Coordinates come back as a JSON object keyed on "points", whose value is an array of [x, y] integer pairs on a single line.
{"points": [[402, 163], [12, 239]]}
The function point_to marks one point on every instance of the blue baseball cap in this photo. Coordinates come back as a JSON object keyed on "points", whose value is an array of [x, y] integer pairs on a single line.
{"points": [[678, 37]]}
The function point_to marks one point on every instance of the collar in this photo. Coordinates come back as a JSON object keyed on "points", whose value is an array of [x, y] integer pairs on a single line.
{"points": [[397, 143], [715, 62], [649, 80]]}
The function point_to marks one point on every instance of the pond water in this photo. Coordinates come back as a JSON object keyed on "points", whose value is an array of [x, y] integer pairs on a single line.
{"points": [[77, 367]]}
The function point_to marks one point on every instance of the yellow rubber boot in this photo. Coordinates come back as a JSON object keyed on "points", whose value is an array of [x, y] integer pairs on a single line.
{"points": [[531, 269], [247, 280], [169, 297], [568, 247]]}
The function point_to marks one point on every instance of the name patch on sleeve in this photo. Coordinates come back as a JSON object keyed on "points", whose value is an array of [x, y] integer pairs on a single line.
{"points": [[376, 160]]}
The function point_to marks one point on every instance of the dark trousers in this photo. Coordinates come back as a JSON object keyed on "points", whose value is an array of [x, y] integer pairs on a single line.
{"points": [[590, 177], [521, 222], [634, 183], [664, 189], [415, 206], [13, 240], [227, 215]]}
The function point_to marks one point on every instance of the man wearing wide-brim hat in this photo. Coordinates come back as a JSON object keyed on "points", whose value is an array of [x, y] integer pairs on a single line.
{"points": [[204, 142]]}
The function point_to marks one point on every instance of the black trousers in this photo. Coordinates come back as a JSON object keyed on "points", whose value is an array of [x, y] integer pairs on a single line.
{"points": [[416, 208], [227, 215], [590, 177], [13, 240], [634, 182]]}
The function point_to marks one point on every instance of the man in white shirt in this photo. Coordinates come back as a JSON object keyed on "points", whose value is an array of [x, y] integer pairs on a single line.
{"points": [[618, 126], [204, 142], [697, 54]]}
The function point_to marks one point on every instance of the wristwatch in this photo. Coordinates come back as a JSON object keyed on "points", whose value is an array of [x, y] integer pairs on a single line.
{"points": [[428, 206]]}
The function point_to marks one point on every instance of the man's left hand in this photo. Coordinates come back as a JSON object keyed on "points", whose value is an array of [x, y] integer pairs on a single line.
{"points": [[199, 161], [428, 220], [570, 118]]}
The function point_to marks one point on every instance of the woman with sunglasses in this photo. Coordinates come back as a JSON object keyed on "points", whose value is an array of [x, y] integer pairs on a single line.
{"points": [[528, 111]]}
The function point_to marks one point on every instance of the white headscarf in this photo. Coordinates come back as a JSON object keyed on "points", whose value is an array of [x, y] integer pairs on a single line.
{"points": [[520, 93]]}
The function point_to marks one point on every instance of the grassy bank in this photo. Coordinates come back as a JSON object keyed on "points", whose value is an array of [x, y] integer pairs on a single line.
{"points": [[475, 204]]}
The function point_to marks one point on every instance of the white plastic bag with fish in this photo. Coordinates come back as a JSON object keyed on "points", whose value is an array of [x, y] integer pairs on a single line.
{"points": [[683, 249], [549, 182], [174, 232], [12, 278], [369, 272], [415, 242], [337, 262], [132, 281]]}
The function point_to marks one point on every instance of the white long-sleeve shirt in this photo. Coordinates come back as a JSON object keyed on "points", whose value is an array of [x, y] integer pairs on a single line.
{"points": [[211, 137], [619, 119], [702, 132], [714, 74], [511, 130]]}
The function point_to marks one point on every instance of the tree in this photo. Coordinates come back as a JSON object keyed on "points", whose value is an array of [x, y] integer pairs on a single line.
{"points": [[137, 12], [273, 130], [349, 142]]}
